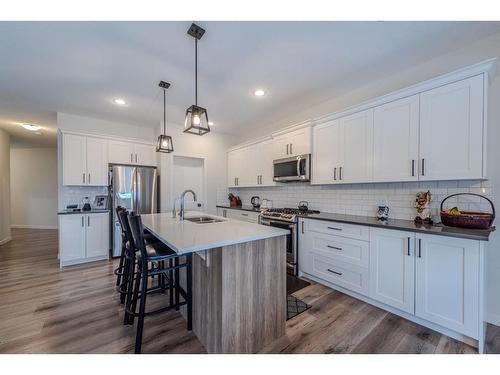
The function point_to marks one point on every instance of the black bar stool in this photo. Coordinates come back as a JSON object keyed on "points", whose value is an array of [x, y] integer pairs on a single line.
{"points": [[154, 259], [122, 271]]}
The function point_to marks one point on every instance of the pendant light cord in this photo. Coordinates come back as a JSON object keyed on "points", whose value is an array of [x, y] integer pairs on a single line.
{"points": [[164, 113], [196, 71]]}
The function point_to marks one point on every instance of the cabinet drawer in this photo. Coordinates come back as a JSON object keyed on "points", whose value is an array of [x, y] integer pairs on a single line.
{"points": [[339, 248], [357, 232], [340, 273], [242, 215]]}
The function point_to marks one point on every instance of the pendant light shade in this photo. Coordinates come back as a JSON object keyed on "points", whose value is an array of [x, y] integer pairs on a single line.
{"points": [[196, 121], [164, 143]]}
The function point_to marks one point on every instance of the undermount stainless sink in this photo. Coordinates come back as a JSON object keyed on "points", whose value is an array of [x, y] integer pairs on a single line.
{"points": [[203, 219]]}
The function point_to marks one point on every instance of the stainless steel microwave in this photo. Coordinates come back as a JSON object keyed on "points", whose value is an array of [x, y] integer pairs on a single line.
{"points": [[297, 168]]}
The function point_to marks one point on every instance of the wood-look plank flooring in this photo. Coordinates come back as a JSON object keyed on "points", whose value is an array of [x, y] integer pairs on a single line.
{"points": [[76, 310]]}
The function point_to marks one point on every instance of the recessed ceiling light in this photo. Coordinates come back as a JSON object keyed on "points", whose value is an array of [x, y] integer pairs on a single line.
{"points": [[32, 128], [211, 123], [119, 101], [259, 92]]}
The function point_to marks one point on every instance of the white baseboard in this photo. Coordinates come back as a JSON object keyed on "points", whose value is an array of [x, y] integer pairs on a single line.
{"points": [[16, 226], [493, 318], [5, 240]]}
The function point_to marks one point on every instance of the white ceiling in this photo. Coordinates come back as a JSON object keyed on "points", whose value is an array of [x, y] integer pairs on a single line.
{"points": [[79, 67]]}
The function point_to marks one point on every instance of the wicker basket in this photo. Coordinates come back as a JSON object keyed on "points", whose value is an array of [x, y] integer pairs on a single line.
{"points": [[467, 219]]}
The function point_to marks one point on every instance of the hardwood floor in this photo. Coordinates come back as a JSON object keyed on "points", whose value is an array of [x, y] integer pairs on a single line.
{"points": [[76, 310]]}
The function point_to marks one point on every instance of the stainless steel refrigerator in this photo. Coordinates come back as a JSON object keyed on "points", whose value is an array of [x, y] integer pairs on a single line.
{"points": [[134, 188]]}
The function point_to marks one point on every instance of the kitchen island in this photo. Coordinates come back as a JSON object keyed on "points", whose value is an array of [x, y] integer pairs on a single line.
{"points": [[239, 279]]}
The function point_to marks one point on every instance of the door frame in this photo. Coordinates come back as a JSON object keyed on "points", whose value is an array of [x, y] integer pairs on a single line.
{"points": [[204, 158]]}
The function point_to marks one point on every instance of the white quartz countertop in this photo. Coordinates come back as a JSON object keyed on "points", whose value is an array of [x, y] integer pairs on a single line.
{"points": [[186, 236]]}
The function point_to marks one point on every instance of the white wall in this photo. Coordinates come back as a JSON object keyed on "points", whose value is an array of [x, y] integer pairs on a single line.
{"points": [[470, 54], [33, 182], [213, 146], [4, 187]]}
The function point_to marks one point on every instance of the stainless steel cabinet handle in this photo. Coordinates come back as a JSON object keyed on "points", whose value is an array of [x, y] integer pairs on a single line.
{"points": [[420, 248], [335, 272], [340, 173], [88, 220], [244, 214], [83, 223], [136, 158], [423, 167], [291, 145], [335, 173], [89, 178], [83, 177], [131, 158], [413, 167], [333, 228], [224, 213], [287, 145], [409, 239], [334, 247], [302, 227]]}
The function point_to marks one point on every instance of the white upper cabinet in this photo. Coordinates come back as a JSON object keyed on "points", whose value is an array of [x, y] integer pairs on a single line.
{"points": [[74, 155], [395, 140], [97, 166], [357, 147], [251, 166], [392, 268], [293, 143], [124, 152], [343, 150], [447, 282], [326, 152], [84, 160], [451, 131], [120, 152]]}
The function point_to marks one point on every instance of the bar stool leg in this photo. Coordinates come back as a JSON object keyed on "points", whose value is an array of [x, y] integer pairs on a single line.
{"points": [[133, 300], [170, 283], [177, 294], [124, 284], [142, 310], [189, 287], [120, 268]]}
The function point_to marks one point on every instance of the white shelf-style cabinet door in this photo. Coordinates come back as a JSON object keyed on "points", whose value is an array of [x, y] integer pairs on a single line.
{"points": [[97, 161], [447, 282], [74, 160], [281, 147], [120, 152], [327, 153], [237, 167], [144, 154], [232, 157], [392, 268], [266, 168], [300, 142], [357, 133], [451, 131], [395, 140], [97, 233], [71, 238]]}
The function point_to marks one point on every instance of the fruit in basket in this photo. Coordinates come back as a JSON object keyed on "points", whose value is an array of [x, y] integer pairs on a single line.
{"points": [[453, 211]]}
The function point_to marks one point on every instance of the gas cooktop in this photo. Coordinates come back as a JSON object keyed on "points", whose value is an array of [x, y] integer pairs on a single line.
{"points": [[287, 214]]}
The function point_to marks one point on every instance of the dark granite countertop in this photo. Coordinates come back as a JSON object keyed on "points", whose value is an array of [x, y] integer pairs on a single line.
{"points": [[82, 212], [437, 229], [244, 208]]}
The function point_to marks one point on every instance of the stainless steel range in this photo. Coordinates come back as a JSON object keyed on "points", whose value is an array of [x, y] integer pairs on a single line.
{"points": [[287, 218]]}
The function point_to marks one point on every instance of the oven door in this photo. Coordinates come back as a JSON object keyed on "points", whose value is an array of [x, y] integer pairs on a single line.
{"points": [[292, 169], [291, 242]]}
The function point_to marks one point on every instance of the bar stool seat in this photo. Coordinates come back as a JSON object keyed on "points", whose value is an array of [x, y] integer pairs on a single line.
{"points": [[156, 252]]}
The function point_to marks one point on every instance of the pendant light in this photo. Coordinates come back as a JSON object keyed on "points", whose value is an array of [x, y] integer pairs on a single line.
{"points": [[196, 121], [164, 143]]}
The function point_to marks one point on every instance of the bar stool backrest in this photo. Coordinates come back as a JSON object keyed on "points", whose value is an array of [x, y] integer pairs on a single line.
{"points": [[118, 209], [137, 233], [123, 218]]}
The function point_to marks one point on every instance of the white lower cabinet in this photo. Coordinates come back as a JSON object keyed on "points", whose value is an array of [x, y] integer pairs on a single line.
{"points": [[432, 278], [447, 282], [83, 238], [231, 213], [392, 268]]}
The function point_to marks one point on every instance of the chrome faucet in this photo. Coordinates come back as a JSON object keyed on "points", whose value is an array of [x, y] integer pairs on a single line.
{"points": [[181, 212]]}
